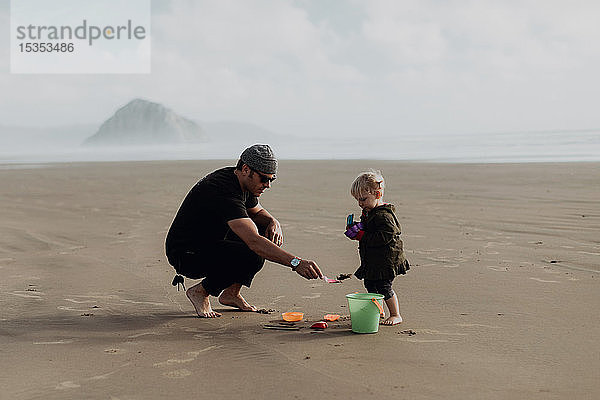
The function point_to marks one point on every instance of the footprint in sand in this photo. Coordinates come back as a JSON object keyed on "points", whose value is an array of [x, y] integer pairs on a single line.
{"points": [[427, 251], [67, 385], [426, 340], [25, 277], [142, 302], [113, 351], [73, 385], [107, 375], [277, 298], [203, 336], [210, 334], [173, 362], [192, 357], [435, 332], [115, 298], [65, 308], [549, 271], [79, 301], [179, 373], [438, 259], [64, 341], [144, 334], [499, 269], [28, 294], [450, 265], [543, 280], [496, 244], [589, 252], [313, 296]]}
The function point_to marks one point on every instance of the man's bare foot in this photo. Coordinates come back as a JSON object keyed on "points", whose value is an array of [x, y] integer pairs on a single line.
{"points": [[199, 298], [228, 299], [392, 320]]}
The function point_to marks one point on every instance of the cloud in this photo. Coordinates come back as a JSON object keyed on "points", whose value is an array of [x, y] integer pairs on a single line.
{"points": [[249, 54], [486, 65], [504, 40]]}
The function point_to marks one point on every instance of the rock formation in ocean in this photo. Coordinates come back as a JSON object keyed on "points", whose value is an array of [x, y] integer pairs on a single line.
{"points": [[141, 122]]}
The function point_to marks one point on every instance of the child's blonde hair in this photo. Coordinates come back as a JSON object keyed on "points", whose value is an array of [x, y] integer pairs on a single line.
{"points": [[367, 182]]}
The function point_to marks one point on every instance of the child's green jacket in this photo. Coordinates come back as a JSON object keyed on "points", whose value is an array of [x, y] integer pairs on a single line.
{"points": [[381, 249]]}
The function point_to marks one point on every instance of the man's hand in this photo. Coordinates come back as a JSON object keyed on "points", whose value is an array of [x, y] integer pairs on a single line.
{"points": [[274, 232], [309, 269], [261, 217]]}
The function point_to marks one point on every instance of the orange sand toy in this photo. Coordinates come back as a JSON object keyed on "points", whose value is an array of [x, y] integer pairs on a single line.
{"points": [[331, 317], [292, 316]]}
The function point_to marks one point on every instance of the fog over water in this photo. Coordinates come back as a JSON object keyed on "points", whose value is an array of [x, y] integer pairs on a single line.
{"points": [[500, 147], [483, 81]]}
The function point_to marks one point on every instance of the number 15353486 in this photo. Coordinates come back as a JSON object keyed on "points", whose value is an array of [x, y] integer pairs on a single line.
{"points": [[46, 47]]}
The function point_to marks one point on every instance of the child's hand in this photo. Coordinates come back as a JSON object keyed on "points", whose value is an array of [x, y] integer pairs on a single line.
{"points": [[349, 220], [355, 231]]}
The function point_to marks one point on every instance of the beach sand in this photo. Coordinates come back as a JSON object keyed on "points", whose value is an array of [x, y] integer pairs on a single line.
{"points": [[502, 296]]}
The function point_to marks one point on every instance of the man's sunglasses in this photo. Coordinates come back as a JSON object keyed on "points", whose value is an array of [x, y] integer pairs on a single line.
{"points": [[263, 177]]}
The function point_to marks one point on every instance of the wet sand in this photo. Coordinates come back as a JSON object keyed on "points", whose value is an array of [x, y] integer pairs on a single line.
{"points": [[502, 297]]}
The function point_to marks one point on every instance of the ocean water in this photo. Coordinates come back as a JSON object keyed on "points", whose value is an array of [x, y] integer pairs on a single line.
{"points": [[557, 146]]}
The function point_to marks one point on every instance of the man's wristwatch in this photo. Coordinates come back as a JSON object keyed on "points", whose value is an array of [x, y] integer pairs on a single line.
{"points": [[294, 263]]}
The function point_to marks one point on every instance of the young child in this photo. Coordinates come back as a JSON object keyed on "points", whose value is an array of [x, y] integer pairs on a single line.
{"points": [[380, 247]]}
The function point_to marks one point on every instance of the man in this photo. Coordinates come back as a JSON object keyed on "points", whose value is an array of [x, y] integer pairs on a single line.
{"points": [[222, 234]]}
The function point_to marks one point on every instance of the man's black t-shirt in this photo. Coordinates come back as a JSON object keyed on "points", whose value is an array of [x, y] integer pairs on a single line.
{"points": [[203, 215]]}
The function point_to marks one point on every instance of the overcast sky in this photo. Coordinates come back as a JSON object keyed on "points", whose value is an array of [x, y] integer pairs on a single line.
{"points": [[344, 67]]}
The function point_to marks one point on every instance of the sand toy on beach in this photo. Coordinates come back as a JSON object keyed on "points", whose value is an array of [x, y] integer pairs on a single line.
{"points": [[365, 311], [292, 316], [330, 280], [331, 317]]}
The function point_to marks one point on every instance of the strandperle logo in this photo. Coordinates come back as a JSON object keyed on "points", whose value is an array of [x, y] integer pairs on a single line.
{"points": [[80, 36], [85, 31]]}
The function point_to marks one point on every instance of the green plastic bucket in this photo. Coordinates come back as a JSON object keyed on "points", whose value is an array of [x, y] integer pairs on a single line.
{"points": [[365, 310]]}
